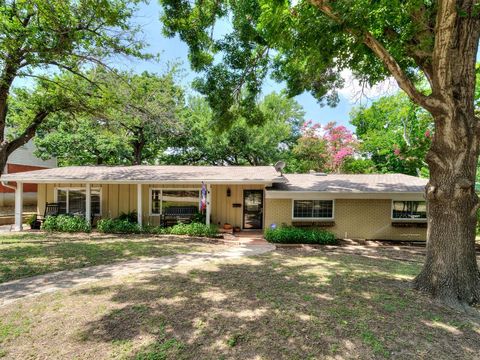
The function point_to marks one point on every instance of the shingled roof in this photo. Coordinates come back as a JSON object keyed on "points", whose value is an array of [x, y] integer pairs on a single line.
{"points": [[149, 174], [332, 183], [351, 183]]}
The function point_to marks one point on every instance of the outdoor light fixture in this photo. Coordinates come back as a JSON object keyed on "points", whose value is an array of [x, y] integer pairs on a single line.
{"points": [[229, 192]]}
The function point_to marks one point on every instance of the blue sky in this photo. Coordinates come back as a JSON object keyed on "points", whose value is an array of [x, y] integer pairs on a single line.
{"points": [[173, 50]]}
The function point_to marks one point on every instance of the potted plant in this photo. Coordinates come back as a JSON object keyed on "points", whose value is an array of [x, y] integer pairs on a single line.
{"points": [[34, 223]]}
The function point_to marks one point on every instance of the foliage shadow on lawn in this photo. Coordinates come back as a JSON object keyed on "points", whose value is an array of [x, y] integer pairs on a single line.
{"points": [[20, 259], [288, 304]]}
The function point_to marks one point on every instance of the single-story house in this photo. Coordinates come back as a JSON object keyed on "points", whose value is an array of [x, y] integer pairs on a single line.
{"points": [[373, 206]]}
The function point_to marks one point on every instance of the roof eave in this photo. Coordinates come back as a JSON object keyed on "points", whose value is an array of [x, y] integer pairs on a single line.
{"points": [[130, 181], [319, 195]]}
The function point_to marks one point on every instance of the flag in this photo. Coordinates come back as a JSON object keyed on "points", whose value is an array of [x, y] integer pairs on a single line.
{"points": [[203, 198]]}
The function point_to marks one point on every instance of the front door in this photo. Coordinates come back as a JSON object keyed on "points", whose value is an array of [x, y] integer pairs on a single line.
{"points": [[252, 209]]}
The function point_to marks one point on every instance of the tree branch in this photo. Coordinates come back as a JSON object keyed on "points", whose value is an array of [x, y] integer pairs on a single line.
{"points": [[28, 133], [73, 71], [428, 102]]}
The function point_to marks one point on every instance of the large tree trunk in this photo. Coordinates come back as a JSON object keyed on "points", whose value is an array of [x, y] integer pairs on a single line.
{"points": [[3, 158], [451, 272]]}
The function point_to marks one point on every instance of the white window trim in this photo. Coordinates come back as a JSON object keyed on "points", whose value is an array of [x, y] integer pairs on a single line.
{"points": [[407, 219], [55, 196], [151, 190], [311, 218]]}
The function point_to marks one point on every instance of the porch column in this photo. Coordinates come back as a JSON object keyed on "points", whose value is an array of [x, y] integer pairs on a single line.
{"points": [[88, 203], [139, 204], [208, 211], [18, 206]]}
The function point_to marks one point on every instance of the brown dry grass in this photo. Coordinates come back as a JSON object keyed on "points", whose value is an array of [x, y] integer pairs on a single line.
{"points": [[331, 303]]}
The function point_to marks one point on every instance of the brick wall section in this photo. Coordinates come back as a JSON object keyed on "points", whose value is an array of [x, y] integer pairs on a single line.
{"points": [[364, 219], [278, 211], [16, 168]]}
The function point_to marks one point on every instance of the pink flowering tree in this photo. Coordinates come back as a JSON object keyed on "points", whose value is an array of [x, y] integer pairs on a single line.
{"points": [[341, 144], [323, 148], [310, 151]]}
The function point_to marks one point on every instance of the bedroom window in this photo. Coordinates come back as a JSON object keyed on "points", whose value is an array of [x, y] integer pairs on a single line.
{"points": [[72, 201], [409, 210], [313, 209]]}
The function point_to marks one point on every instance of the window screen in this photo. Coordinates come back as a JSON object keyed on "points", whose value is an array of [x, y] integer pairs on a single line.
{"points": [[156, 201], [322, 209], [62, 201], [409, 210], [163, 199], [72, 201]]}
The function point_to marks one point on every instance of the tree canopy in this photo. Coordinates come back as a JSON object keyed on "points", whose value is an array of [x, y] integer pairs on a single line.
{"points": [[395, 134], [41, 39], [307, 44], [127, 120], [241, 143]]}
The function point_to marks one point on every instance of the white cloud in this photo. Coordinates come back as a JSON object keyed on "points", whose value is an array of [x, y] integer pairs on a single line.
{"points": [[356, 93]]}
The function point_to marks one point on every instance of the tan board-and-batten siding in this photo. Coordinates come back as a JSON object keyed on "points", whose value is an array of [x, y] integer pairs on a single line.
{"points": [[123, 198], [222, 205], [116, 198]]}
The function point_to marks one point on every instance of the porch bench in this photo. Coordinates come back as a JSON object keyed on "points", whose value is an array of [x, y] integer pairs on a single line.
{"points": [[178, 214], [51, 209]]}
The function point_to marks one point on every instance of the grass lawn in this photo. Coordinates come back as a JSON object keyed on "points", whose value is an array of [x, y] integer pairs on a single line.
{"points": [[23, 255], [336, 303]]}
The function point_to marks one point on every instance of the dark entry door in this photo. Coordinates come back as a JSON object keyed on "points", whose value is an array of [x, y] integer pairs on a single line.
{"points": [[252, 209]]}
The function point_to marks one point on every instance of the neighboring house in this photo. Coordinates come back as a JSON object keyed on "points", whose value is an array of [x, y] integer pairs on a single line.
{"points": [[386, 206], [22, 160]]}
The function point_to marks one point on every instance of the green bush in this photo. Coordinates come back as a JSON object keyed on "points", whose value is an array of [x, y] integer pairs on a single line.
{"points": [[293, 235], [66, 223], [129, 216], [199, 218], [118, 226], [192, 229]]}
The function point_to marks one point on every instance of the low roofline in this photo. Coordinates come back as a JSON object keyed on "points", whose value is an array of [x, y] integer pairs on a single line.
{"points": [[341, 192], [328, 195], [143, 182]]}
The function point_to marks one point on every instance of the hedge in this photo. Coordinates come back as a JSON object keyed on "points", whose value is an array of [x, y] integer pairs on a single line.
{"points": [[192, 229], [118, 226], [293, 235], [66, 223]]}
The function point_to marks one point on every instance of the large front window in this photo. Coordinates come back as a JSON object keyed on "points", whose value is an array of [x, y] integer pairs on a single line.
{"points": [[409, 210], [313, 209], [72, 201], [161, 200]]}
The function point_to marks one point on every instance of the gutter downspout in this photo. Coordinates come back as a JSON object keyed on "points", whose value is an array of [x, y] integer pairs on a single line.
{"points": [[5, 183]]}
